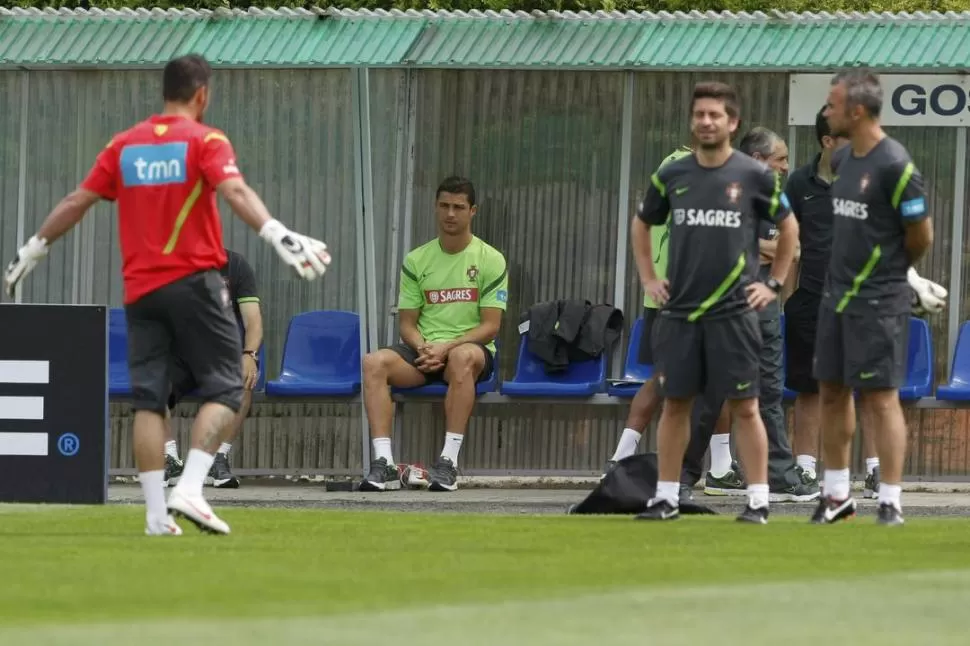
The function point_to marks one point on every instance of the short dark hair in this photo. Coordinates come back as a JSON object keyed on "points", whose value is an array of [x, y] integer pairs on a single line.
{"points": [[720, 92], [822, 126], [758, 140], [457, 185], [862, 87], [183, 76]]}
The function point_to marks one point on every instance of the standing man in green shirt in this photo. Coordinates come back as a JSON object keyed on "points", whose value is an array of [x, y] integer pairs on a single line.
{"points": [[454, 290]]}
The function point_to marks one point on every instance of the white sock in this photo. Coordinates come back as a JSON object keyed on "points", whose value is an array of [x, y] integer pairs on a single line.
{"points": [[452, 447], [669, 491], [890, 494], [837, 483], [720, 454], [153, 488], [757, 496], [382, 449], [807, 463], [627, 445], [871, 465], [172, 449], [224, 448], [197, 465]]}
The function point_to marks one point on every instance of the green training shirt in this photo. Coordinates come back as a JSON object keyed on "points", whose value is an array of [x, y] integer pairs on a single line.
{"points": [[659, 235], [449, 289]]}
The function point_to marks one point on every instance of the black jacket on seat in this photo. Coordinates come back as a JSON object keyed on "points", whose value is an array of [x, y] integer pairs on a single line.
{"points": [[563, 331]]}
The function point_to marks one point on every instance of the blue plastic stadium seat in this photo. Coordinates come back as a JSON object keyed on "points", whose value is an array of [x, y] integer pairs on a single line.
{"points": [[919, 362], [441, 389], [958, 389], [321, 356], [580, 379], [633, 371], [786, 393], [119, 382]]}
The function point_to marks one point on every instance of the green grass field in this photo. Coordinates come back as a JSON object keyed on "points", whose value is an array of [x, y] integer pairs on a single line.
{"points": [[83, 576]]}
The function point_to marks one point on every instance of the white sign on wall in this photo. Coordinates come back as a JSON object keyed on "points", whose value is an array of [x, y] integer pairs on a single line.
{"points": [[907, 99]]}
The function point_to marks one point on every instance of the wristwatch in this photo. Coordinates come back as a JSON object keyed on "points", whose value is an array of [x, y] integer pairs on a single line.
{"points": [[773, 284], [253, 354]]}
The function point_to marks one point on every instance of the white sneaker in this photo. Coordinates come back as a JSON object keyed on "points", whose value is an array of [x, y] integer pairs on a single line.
{"points": [[162, 527], [196, 510]]}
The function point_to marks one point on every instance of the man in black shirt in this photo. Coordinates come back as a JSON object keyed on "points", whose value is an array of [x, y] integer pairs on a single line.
{"points": [[241, 283], [707, 334], [881, 227]]}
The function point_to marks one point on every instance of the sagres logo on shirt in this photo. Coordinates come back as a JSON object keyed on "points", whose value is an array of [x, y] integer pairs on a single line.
{"points": [[850, 208], [707, 218], [442, 296]]}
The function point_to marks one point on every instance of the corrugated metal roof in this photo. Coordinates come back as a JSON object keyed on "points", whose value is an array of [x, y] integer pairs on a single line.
{"points": [[340, 37]]}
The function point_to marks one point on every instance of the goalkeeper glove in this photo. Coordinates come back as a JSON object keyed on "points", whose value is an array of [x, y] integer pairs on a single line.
{"points": [[307, 256], [27, 258], [928, 297]]}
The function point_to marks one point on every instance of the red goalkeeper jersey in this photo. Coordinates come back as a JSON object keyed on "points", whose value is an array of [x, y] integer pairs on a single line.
{"points": [[163, 173]]}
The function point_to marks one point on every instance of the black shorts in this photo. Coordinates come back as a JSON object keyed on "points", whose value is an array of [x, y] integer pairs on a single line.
{"points": [[410, 355], [720, 356], [865, 351], [191, 320], [645, 355], [801, 321], [183, 383]]}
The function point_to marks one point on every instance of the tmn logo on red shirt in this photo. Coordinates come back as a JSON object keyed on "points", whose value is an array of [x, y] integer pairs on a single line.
{"points": [[442, 296]]}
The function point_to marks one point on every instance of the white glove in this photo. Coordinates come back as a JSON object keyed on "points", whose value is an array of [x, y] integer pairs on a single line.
{"points": [[928, 297], [27, 258], [308, 257]]}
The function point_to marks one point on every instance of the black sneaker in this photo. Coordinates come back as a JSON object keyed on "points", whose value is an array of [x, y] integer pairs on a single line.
{"points": [[444, 475], [831, 511], [659, 509], [382, 477], [221, 475], [889, 515], [686, 493], [797, 487], [871, 487], [730, 484], [757, 516], [173, 470]]}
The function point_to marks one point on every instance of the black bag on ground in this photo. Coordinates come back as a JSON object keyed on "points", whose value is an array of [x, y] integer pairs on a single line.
{"points": [[628, 488]]}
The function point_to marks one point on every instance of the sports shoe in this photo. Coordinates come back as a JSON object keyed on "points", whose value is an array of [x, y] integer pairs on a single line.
{"points": [[382, 477], [686, 493], [871, 487], [162, 527], [730, 484], [197, 511], [444, 475], [797, 487], [220, 474], [173, 470], [831, 511], [889, 515], [659, 509], [757, 516], [413, 476]]}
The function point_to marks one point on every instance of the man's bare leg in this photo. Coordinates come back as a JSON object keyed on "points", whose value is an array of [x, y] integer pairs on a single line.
{"points": [[465, 363], [643, 408], [888, 426], [149, 438], [870, 431], [805, 442], [837, 427], [752, 440], [673, 433], [221, 472], [381, 370]]}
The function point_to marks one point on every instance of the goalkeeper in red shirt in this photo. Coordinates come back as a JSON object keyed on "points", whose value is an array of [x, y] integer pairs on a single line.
{"points": [[165, 173]]}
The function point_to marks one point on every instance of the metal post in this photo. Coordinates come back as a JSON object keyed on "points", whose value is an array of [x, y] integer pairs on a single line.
{"points": [[793, 146], [404, 154], [367, 186], [360, 229], [623, 213], [76, 241], [22, 176], [955, 310]]}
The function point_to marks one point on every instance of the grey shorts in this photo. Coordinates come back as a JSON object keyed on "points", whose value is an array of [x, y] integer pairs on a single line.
{"points": [[410, 355], [720, 356], [864, 351], [190, 320]]}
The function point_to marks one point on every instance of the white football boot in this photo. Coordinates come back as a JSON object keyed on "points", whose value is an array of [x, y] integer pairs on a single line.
{"points": [[162, 527], [196, 510]]}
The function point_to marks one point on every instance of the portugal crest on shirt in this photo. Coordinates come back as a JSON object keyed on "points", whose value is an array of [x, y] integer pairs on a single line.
{"points": [[472, 273], [734, 192], [864, 183]]}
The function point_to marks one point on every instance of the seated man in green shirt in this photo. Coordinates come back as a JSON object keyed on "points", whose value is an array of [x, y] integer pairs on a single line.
{"points": [[453, 292]]}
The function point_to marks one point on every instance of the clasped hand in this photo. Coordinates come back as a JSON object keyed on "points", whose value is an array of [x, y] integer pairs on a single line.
{"points": [[432, 357]]}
